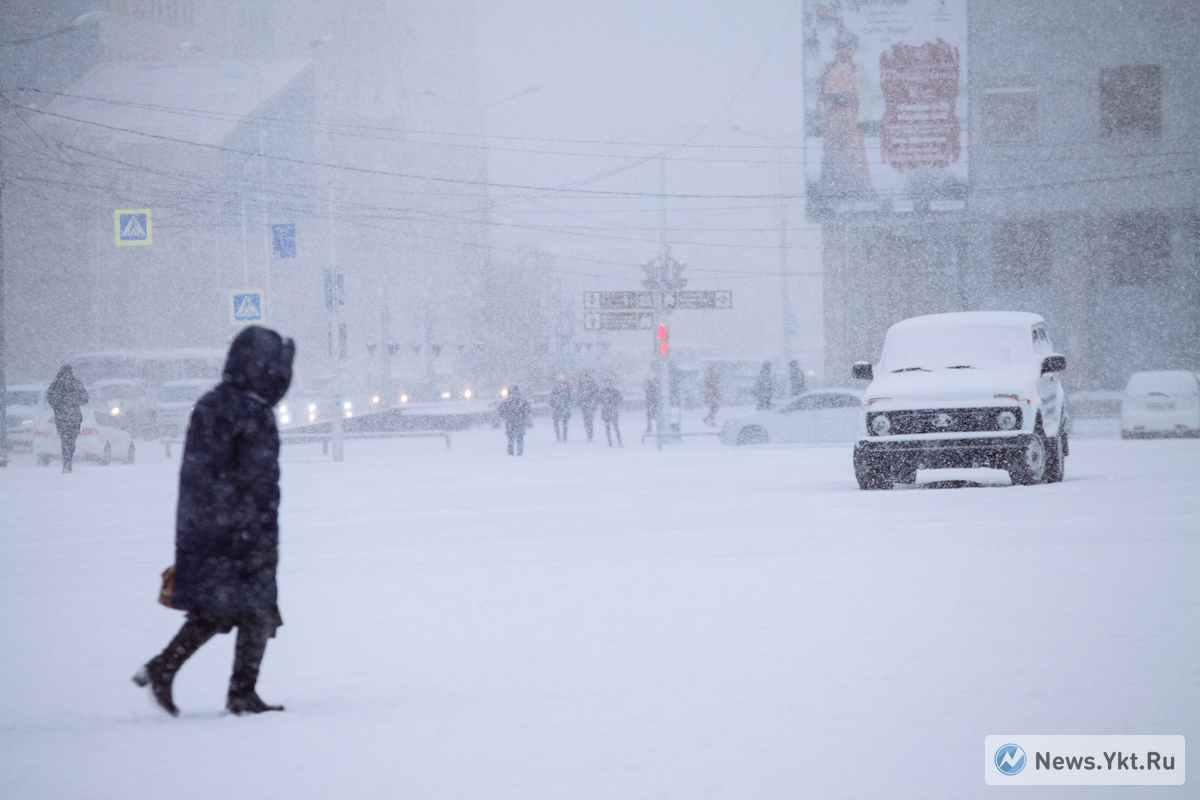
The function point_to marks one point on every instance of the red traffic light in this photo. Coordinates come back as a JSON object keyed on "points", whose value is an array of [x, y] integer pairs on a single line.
{"points": [[662, 332]]}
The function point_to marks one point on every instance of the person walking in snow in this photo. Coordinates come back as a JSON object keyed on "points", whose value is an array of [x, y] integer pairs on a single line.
{"points": [[67, 396], [712, 392], [764, 386], [588, 396], [560, 407], [610, 407], [515, 412], [650, 387], [227, 521]]}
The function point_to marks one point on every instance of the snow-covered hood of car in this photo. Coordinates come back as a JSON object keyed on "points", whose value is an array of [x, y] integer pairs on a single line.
{"points": [[951, 385]]}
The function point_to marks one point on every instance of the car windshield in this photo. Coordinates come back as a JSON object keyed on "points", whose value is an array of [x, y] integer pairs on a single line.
{"points": [[180, 394], [928, 349], [22, 398]]}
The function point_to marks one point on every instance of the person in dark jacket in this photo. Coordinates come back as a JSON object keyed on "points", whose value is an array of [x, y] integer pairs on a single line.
{"points": [[227, 520], [560, 407], [796, 376], [650, 387], [515, 412], [588, 396], [764, 386], [610, 405], [67, 396], [712, 392]]}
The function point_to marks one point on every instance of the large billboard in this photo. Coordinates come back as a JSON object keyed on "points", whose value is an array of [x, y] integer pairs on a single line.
{"points": [[885, 96]]}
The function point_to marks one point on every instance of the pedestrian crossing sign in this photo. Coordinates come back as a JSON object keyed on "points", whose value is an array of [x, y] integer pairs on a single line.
{"points": [[133, 226], [247, 307]]}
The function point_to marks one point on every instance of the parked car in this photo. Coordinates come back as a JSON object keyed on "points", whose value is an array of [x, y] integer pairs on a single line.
{"points": [[973, 389], [24, 403], [1161, 403], [96, 442], [128, 404], [173, 406], [825, 415]]}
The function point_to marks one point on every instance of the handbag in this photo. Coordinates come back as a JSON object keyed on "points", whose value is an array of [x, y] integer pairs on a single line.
{"points": [[168, 587]]}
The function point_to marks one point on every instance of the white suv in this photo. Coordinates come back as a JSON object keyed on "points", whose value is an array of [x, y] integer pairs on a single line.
{"points": [[972, 389]]}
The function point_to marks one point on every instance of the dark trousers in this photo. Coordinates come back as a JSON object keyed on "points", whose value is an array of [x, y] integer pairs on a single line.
{"points": [[561, 416], [253, 631], [611, 427], [516, 437], [589, 419], [68, 432]]}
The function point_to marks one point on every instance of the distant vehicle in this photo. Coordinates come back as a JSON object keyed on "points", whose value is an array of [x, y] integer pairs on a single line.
{"points": [[96, 442], [1161, 403], [174, 403], [24, 404], [127, 403], [154, 367], [974, 389], [824, 415]]}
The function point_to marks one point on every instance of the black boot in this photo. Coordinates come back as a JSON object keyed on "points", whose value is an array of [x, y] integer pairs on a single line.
{"points": [[248, 654], [159, 672]]}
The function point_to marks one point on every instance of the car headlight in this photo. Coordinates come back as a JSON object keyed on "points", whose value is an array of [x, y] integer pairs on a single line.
{"points": [[283, 409], [115, 410], [881, 424], [312, 407], [1006, 420]]}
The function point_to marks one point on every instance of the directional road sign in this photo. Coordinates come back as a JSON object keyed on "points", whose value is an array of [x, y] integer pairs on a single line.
{"points": [[615, 301], [618, 320], [247, 307], [132, 226], [702, 299]]}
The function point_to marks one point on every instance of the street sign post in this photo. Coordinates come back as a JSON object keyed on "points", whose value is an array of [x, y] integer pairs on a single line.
{"points": [[614, 301], [247, 307], [618, 320], [133, 226]]}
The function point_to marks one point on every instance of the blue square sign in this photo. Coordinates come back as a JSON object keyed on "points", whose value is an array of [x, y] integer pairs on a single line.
{"points": [[246, 307], [132, 226], [283, 238]]}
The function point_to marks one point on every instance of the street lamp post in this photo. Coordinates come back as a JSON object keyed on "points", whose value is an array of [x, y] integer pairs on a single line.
{"points": [[77, 23]]}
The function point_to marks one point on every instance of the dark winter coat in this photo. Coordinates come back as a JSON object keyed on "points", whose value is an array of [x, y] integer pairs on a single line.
{"points": [[610, 403], [227, 521], [764, 387], [66, 396], [515, 412], [560, 400], [588, 393], [712, 387]]}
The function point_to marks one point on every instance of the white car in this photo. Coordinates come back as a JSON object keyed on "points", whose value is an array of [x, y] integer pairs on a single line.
{"points": [[1165, 403], [825, 415], [128, 404], [96, 442], [25, 404], [174, 404], [965, 390]]}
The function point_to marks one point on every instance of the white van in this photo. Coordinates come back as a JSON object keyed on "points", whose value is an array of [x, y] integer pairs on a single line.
{"points": [[971, 389]]}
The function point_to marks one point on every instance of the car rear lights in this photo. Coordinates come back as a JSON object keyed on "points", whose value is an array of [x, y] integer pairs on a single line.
{"points": [[89, 432]]}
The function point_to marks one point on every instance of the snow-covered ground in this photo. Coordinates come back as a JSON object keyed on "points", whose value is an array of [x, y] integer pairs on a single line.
{"points": [[594, 622]]}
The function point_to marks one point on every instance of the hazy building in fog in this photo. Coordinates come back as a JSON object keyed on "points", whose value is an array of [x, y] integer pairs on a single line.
{"points": [[1079, 193]]}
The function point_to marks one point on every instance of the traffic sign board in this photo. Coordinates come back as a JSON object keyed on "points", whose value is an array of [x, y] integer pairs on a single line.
{"points": [[703, 299], [617, 300], [618, 321], [247, 307], [132, 226]]}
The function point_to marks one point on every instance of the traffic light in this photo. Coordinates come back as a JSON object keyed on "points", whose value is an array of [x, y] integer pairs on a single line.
{"points": [[663, 340]]}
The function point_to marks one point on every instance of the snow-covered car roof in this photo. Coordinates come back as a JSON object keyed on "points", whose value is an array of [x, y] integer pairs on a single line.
{"points": [[961, 319], [1173, 382]]}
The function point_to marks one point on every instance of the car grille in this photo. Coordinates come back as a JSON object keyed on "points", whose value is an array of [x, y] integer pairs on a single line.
{"points": [[943, 420]]}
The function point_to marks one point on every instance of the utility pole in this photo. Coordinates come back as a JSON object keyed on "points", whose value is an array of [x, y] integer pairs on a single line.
{"points": [[664, 376], [784, 298], [385, 327], [333, 298]]}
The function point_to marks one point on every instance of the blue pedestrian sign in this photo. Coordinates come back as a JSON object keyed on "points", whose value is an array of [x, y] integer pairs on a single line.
{"points": [[247, 307], [132, 226], [283, 238]]}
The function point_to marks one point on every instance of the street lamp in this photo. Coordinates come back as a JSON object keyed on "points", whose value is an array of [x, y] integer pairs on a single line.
{"points": [[77, 23]]}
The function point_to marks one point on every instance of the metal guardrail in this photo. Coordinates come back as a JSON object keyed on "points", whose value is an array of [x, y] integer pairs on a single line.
{"points": [[326, 438]]}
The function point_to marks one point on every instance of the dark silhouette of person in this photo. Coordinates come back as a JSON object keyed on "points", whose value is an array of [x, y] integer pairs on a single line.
{"points": [[560, 407], [587, 395], [796, 377], [227, 521], [515, 411], [712, 392], [650, 387], [610, 407], [67, 397], [764, 386]]}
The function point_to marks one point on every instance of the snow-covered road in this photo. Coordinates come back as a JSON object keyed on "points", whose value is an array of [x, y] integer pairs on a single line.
{"points": [[593, 622]]}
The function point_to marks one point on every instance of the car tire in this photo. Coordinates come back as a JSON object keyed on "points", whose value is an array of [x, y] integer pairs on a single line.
{"points": [[752, 434], [106, 455], [1055, 458], [1028, 466], [132, 454], [870, 473]]}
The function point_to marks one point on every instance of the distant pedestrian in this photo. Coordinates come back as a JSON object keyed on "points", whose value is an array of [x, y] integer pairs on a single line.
{"points": [[796, 376], [66, 396], [588, 396], [515, 411], [560, 407], [712, 392], [764, 386], [227, 521], [610, 407], [650, 387]]}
